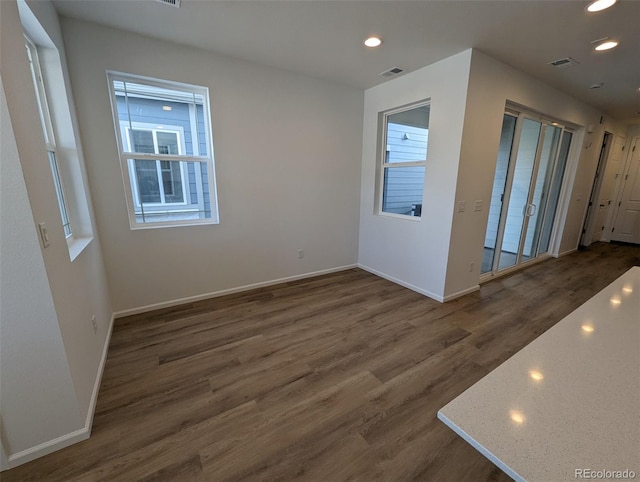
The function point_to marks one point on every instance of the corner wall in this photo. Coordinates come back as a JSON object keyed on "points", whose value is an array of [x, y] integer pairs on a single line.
{"points": [[37, 397], [49, 325], [492, 84], [413, 252], [441, 254], [287, 157]]}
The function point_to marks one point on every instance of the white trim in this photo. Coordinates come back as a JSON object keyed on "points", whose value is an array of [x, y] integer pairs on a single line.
{"points": [[381, 161], [217, 294], [397, 281], [48, 130], [566, 191], [76, 436], [125, 129], [4, 462], [96, 386], [461, 293], [564, 253], [400, 216], [47, 447], [77, 245], [490, 275], [112, 78]]}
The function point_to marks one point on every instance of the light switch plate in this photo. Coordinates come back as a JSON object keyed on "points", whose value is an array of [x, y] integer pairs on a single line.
{"points": [[44, 236]]}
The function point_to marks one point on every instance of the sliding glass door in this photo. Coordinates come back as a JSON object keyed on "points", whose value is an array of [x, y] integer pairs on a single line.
{"points": [[526, 188]]}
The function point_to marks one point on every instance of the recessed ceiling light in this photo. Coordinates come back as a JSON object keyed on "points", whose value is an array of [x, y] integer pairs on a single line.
{"points": [[373, 42], [600, 5], [606, 45]]}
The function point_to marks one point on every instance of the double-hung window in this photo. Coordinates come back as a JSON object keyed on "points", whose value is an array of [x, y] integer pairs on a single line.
{"points": [[403, 156], [159, 182], [166, 151], [47, 129]]}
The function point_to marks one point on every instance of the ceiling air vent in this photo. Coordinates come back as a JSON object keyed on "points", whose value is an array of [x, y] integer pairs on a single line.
{"points": [[564, 63], [391, 72], [173, 3]]}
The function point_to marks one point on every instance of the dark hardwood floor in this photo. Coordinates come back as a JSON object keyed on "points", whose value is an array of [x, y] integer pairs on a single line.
{"points": [[332, 378]]}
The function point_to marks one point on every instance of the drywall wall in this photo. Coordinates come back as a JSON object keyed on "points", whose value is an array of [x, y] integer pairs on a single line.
{"points": [[407, 250], [441, 254], [78, 289], [40, 22], [37, 398], [491, 85], [287, 154]]}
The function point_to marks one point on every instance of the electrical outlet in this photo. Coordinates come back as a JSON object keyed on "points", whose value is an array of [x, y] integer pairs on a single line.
{"points": [[477, 206], [300, 254], [95, 324], [471, 266], [461, 205]]}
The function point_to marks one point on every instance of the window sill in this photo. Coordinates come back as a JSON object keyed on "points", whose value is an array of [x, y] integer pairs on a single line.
{"points": [[175, 224], [400, 216], [77, 246]]}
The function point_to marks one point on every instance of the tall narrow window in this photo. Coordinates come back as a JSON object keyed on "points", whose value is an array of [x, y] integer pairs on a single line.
{"points": [[404, 159], [47, 128], [166, 151]]}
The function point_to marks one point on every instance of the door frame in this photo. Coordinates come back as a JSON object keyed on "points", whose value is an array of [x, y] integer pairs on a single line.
{"points": [[586, 237], [561, 206], [634, 143]]}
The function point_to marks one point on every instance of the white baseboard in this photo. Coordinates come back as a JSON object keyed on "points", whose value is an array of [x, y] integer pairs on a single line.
{"points": [[564, 253], [4, 462], [402, 283], [239, 289], [460, 293], [66, 440], [47, 447], [96, 386]]}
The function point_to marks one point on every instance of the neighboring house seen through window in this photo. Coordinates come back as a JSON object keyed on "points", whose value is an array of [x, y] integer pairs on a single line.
{"points": [[159, 182], [404, 160], [166, 152]]}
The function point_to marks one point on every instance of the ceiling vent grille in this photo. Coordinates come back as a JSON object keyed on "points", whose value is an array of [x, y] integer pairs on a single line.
{"points": [[391, 72], [564, 63], [173, 3]]}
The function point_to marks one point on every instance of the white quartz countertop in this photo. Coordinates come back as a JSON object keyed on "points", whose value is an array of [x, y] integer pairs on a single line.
{"points": [[567, 402]]}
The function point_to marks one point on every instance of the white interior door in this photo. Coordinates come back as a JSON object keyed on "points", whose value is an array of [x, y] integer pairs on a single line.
{"points": [[611, 184], [592, 230], [627, 223]]}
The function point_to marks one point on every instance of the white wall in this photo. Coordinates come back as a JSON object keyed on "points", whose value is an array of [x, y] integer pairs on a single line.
{"points": [[78, 289], [287, 154], [408, 251], [33, 365], [441, 255], [42, 26], [491, 85]]}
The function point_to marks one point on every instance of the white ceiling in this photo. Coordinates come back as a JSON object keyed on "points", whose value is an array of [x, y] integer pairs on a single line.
{"points": [[323, 38]]}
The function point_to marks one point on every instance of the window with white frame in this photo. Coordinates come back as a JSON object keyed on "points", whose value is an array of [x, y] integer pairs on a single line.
{"points": [[159, 182], [404, 142], [165, 150], [47, 128]]}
